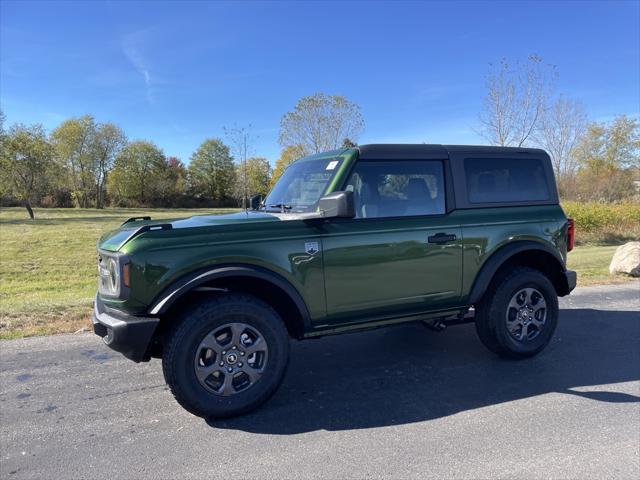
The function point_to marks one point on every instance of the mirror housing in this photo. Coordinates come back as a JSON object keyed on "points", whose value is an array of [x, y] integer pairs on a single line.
{"points": [[337, 205], [255, 202]]}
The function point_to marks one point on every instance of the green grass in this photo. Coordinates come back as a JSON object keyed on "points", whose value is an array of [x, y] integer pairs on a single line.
{"points": [[592, 264], [48, 266]]}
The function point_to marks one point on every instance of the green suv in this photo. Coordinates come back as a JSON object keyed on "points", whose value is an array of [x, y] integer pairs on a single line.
{"points": [[347, 240]]}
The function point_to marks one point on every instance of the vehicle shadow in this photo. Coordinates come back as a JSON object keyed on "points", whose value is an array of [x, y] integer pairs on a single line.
{"points": [[409, 374]]}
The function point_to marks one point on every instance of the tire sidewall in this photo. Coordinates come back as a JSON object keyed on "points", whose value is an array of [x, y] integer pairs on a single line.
{"points": [[528, 279], [199, 323]]}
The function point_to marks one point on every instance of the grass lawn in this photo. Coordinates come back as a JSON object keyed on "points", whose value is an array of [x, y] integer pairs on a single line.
{"points": [[592, 264], [48, 266]]}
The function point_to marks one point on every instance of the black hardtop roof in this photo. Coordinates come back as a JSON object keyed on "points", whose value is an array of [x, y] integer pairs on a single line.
{"points": [[405, 151]]}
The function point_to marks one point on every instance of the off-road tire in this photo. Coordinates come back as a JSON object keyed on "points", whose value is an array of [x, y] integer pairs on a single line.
{"points": [[491, 313], [184, 340]]}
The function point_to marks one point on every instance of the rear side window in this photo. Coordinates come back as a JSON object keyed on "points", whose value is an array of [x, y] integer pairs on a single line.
{"points": [[498, 180]]}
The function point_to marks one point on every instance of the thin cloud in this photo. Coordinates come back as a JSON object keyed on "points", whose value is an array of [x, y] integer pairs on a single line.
{"points": [[131, 50]]}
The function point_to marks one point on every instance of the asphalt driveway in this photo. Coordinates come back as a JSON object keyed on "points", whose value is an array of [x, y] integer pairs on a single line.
{"points": [[401, 402]]}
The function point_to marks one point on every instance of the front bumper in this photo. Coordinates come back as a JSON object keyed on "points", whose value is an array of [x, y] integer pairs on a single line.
{"points": [[127, 334]]}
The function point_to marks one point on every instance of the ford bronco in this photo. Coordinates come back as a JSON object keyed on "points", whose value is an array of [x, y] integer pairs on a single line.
{"points": [[346, 240]]}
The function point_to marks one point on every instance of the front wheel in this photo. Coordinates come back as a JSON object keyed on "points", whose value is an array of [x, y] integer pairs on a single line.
{"points": [[227, 356], [518, 317]]}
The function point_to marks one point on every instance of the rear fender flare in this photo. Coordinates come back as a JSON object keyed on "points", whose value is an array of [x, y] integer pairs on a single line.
{"points": [[499, 258]]}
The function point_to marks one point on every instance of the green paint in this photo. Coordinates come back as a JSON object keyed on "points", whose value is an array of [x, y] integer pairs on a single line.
{"points": [[367, 272]]}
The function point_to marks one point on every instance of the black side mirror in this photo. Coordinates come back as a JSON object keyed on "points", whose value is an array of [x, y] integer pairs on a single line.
{"points": [[256, 201], [337, 205]]}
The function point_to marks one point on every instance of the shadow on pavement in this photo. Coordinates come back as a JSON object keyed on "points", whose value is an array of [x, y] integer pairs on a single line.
{"points": [[409, 374]]}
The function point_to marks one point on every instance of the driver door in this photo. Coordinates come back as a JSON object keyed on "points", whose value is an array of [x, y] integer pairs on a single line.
{"points": [[401, 254]]}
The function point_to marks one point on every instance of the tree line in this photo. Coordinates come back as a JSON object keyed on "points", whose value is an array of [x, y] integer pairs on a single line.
{"points": [[86, 163]]}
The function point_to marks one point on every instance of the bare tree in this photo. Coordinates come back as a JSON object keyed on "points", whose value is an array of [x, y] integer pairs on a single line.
{"points": [[562, 127], [321, 122], [240, 140], [516, 100]]}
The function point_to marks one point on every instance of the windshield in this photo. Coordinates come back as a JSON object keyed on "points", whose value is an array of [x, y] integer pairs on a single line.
{"points": [[301, 185]]}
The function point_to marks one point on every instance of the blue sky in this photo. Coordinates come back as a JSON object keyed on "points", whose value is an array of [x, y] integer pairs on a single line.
{"points": [[178, 72]]}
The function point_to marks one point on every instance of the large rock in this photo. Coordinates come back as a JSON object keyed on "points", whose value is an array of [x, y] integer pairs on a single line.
{"points": [[626, 260]]}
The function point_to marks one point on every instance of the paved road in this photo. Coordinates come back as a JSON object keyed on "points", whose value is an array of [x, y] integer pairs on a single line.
{"points": [[401, 402]]}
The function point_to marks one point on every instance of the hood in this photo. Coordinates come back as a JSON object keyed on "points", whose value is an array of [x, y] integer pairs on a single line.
{"points": [[226, 219], [115, 239]]}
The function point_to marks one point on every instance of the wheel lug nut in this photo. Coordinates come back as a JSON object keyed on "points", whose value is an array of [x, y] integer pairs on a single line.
{"points": [[224, 352], [242, 353], [229, 369], [222, 364], [234, 347]]}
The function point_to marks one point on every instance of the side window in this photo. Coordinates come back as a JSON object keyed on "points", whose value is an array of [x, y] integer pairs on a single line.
{"points": [[495, 180], [397, 188]]}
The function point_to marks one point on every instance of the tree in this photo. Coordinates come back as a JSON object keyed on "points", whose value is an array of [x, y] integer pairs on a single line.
{"points": [[287, 157], [138, 174], [515, 101], [86, 150], [602, 182], [616, 143], [257, 175], [108, 141], [321, 122], [211, 171], [73, 141], [347, 143], [607, 155], [562, 127], [25, 160], [240, 140], [172, 182]]}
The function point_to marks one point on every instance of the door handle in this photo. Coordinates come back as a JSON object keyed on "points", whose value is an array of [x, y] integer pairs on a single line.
{"points": [[441, 238]]}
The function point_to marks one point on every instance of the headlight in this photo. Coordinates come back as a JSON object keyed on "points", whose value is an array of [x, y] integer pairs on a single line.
{"points": [[110, 275], [113, 276]]}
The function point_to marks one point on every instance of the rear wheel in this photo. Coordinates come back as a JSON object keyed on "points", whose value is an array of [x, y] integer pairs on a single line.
{"points": [[227, 356], [519, 314]]}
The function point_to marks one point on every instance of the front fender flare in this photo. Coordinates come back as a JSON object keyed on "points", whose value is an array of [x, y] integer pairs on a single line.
{"points": [[190, 281]]}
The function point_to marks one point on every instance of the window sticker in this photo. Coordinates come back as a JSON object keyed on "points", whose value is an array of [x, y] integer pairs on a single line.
{"points": [[332, 165]]}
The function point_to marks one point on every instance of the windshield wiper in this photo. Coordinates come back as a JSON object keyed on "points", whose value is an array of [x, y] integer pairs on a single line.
{"points": [[281, 206]]}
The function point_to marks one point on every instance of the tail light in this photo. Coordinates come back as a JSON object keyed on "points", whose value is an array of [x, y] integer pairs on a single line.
{"points": [[571, 234]]}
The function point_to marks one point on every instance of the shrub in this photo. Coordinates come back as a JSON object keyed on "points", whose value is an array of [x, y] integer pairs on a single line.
{"points": [[604, 222]]}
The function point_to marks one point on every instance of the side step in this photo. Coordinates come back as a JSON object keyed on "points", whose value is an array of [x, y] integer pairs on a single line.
{"points": [[440, 324]]}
